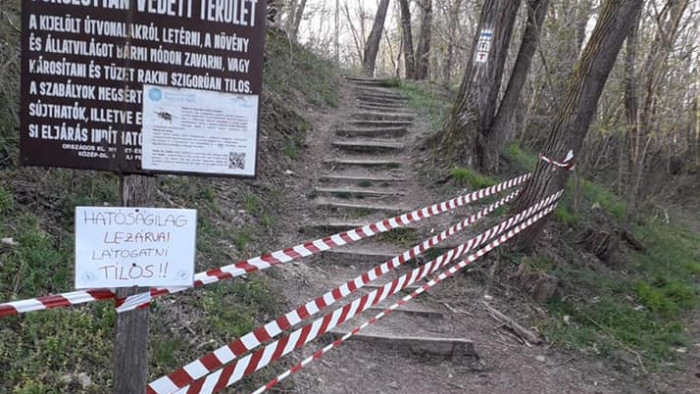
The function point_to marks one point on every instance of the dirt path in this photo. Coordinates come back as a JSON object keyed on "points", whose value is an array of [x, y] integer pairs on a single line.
{"points": [[444, 341]]}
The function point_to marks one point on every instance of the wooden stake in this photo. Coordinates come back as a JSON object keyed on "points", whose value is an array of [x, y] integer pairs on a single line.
{"points": [[131, 330]]}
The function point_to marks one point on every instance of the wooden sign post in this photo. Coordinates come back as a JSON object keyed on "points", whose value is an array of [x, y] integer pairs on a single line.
{"points": [[140, 88], [131, 331]]}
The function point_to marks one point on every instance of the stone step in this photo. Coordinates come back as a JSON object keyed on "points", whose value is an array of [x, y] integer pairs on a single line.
{"points": [[368, 146], [379, 124], [412, 311], [358, 192], [458, 350], [387, 132], [383, 116], [368, 163], [361, 180], [359, 208]]}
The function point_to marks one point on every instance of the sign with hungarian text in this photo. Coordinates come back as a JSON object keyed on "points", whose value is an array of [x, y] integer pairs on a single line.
{"points": [[123, 247], [85, 64]]}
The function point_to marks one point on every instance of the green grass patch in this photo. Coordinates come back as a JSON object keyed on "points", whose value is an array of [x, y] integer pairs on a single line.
{"points": [[404, 237], [429, 100], [642, 309], [291, 69], [523, 160], [465, 176], [390, 83], [364, 184]]}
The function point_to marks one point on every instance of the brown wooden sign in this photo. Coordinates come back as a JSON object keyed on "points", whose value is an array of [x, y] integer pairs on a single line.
{"points": [[85, 64]]}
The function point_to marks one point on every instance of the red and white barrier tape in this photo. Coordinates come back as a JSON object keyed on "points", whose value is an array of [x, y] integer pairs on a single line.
{"points": [[256, 263], [567, 164], [273, 351], [252, 340], [320, 245], [442, 276]]}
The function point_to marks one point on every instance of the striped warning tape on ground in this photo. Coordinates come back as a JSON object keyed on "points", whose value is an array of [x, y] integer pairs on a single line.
{"points": [[252, 340], [257, 263], [442, 276], [252, 362]]}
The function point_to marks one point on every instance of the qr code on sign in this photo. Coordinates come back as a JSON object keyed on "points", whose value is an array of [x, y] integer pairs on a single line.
{"points": [[236, 161]]}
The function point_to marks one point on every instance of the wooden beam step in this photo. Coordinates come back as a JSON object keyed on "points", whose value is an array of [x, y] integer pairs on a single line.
{"points": [[378, 123], [387, 132], [413, 311], [458, 350], [357, 192], [355, 256], [383, 116], [385, 108], [360, 208], [408, 289], [370, 163], [379, 100], [333, 226], [361, 180], [355, 145], [371, 81], [389, 95]]}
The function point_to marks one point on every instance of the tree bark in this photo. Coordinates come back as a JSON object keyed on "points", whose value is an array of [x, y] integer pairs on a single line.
{"points": [[475, 107], [372, 46], [639, 117], [506, 121], [298, 16], [423, 50], [131, 331], [452, 37], [570, 125], [409, 60]]}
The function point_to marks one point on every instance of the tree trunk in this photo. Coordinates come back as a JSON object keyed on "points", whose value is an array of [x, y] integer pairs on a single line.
{"points": [[298, 16], [506, 121], [639, 118], [475, 107], [570, 125], [697, 124], [372, 47], [407, 47], [452, 37], [426, 33]]}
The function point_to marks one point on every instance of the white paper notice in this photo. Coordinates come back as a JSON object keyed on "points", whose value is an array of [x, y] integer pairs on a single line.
{"points": [[199, 131], [122, 247]]}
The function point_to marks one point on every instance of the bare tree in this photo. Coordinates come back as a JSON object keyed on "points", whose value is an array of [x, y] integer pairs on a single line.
{"points": [[372, 47], [453, 27], [298, 16], [505, 123], [423, 50], [640, 117], [475, 107], [573, 118], [409, 60]]}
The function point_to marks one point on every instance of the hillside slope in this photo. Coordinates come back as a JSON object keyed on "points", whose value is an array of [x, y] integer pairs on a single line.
{"points": [[69, 350]]}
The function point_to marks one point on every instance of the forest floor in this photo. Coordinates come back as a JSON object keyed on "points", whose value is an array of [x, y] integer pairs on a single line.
{"points": [[500, 362]]}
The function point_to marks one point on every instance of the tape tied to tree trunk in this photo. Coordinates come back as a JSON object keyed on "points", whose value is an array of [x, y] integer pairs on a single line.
{"points": [[567, 164]]}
